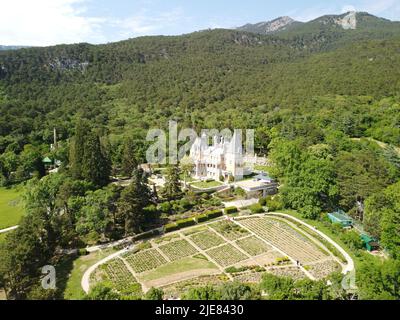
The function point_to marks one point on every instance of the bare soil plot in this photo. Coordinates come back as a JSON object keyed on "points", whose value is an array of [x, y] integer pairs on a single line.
{"points": [[268, 258]]}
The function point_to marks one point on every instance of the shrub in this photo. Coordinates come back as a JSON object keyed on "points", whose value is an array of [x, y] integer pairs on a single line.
{"points": [[274, 203], [214, 214], [256, 208], [240, 192], [83, 252], [262, 202], [171, 227], [232, 270], [165, 207], [201, 218], [145, 235], [185, 223], [231, 210]]}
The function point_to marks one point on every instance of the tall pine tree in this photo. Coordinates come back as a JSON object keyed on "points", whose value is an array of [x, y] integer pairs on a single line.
{"points": [[96, 166], [134, 199], [129, 161], [172, 188], [76, 150]]}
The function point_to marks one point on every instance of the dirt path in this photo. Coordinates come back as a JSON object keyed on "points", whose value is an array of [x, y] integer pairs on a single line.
{"points": [[8, 229]]}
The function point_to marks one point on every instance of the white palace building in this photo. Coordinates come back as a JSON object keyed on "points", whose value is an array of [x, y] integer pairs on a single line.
{"points": [[224, 158]]}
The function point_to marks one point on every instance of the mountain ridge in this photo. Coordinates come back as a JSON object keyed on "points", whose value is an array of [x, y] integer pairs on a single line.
{"points": [[268, 27]]}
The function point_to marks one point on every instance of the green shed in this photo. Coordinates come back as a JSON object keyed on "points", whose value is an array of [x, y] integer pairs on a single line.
{"points": [[47, 161], [371, 244], [341, 218]]}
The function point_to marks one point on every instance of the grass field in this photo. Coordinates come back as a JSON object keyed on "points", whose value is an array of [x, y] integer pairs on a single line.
{"points": [[206, 184], [71, 273], [11, 209]]}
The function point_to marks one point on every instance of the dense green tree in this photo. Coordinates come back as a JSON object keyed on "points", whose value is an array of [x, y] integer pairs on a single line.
{"points": [[238, 291], [134, 199], [201, 293], [129, 157], [26, 251], [360, 174], [378, 280], [96, 165], [77, 148], [172, 188], [102, 292], [154, 294]]}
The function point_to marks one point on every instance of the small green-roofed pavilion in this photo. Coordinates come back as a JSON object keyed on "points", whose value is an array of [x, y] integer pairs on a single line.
{"points": [[341, 218], [47, 160]]}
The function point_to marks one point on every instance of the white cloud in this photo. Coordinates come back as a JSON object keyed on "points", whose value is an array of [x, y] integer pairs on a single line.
{"points": [[46, 22], [146, 23]]}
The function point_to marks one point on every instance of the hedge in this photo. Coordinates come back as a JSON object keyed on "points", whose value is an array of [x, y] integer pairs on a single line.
{"points": [[185, 223], [231, 210], [201, 218], [146, 235], [214, 214], [171, 227]]}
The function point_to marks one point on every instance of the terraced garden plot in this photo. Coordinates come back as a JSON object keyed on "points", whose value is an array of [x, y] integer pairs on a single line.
{"points": [[186, 268], [116, 272], [226, 255], [323, 269], [292, 272], [229, 230], [145, 260], [290, 242], [178, 249], [206, 239], [253, 246]]}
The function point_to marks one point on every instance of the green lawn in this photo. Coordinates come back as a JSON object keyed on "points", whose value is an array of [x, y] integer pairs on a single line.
{"points": [[11, 208], [182, 265], [262, 168], [71, 273], [206, 184]]}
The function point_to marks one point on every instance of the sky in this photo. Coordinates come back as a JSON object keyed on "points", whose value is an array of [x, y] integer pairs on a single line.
{"points": [[50, 22]]}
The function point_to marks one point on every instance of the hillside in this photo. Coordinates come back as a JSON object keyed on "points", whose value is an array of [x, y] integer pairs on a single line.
{"points": [[269, 27], [145, 81]]}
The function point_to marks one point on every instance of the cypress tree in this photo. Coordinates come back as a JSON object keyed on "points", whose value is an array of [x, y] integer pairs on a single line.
{"points": [[76, 150], [133, 200], [96, 166], [129, 161], [172, 188]]}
